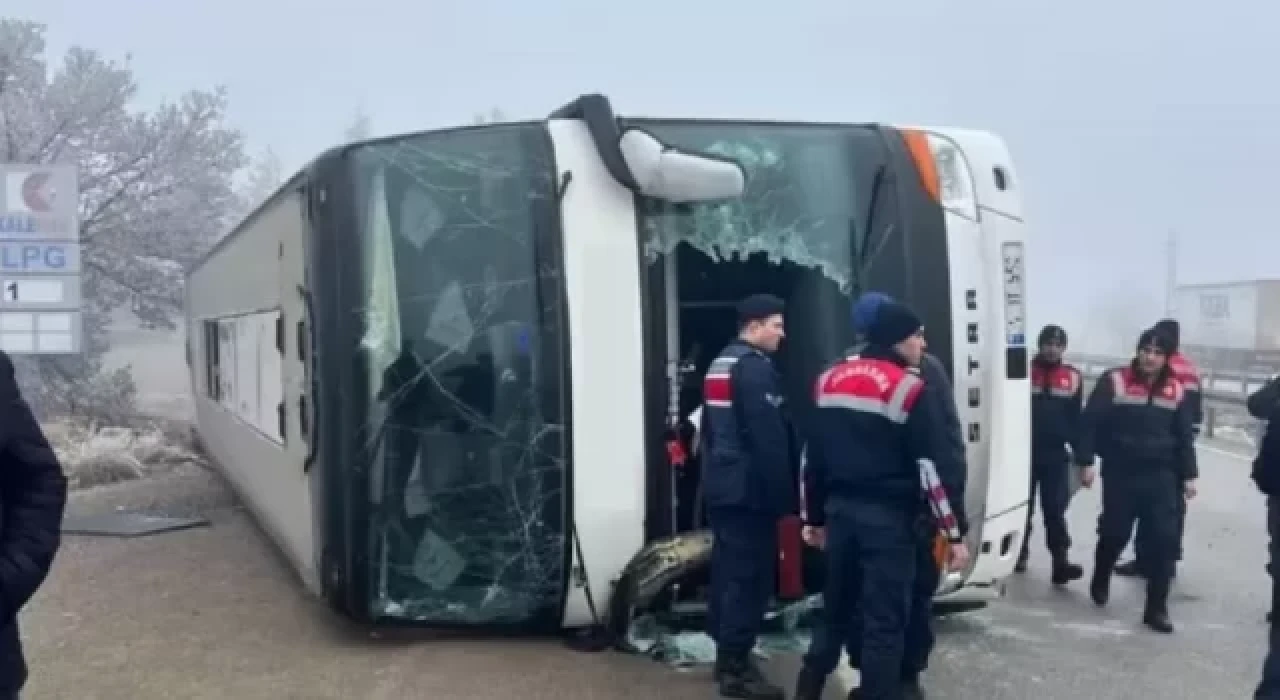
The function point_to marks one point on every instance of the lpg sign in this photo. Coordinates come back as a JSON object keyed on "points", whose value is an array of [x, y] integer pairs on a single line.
{"points": [[40, 257], [39, 202]]}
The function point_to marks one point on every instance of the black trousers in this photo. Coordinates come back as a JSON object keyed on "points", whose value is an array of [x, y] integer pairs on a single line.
{"points": [[872, 551], [744, 559], [845, 626], [1051, 479], [1152, 497], [1269, 687], [1273, 546], [1139, 545]]}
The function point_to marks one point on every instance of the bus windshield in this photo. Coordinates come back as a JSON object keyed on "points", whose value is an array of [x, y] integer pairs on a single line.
{"points": [[462, 346], [801, 202], [818, 222]]}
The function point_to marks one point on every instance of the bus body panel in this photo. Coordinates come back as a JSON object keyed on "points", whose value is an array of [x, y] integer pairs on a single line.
{"points": [[1010, 484], [995, 179], [246, 374], [971, 377], [602, 276], [990, 568], [1007, 398]]}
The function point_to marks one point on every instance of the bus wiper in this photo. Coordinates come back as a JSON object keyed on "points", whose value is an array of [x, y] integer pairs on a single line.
{"points": [[563, 186], [876, 180], [863, 258]]}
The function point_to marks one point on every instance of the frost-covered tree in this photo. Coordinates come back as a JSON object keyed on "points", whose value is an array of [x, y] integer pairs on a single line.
{"points": [[494, 116], [264, 177], [361, 127], [156, 189]]}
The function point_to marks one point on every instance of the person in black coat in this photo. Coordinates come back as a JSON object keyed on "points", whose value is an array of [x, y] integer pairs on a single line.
{"points": [[952, 453], [875, 468], [1139, 423], [1264, 404], [33, 493], [748, 485], [1056, 404]]}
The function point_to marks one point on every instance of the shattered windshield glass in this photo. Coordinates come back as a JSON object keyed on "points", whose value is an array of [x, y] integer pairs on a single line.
{"points": [[462, 340], [799, 205]]}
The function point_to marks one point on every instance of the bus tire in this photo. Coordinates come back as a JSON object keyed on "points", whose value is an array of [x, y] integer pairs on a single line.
{"points": [[591, 640]]}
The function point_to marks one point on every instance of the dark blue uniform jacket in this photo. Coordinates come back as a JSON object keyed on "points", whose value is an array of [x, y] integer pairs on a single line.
{"points": [[876, 435], [1134, 425], [746, 445], [1057, 400]]}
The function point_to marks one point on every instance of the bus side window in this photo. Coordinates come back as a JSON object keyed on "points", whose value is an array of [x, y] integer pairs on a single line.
{"points": [[302, 341]]}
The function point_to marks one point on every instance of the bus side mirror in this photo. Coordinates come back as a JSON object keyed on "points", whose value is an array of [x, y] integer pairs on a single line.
{"points": [[671, 175]]}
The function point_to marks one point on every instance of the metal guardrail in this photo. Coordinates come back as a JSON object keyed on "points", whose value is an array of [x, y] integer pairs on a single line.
{"points": [[1224, 392]]}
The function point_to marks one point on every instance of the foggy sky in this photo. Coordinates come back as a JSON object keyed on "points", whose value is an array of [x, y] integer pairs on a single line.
{"points": [[1126, 120]]}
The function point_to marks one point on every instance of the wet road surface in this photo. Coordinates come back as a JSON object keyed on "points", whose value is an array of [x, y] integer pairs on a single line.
{"points": [[1049, 644], [213, 613]]}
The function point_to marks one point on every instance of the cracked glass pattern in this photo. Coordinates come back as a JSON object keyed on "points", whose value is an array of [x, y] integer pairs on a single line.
{"points": [[462, 344], [799, 202]]}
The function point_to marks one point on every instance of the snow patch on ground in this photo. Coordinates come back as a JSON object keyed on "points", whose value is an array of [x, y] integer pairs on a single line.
{"points": [[96, 455]]}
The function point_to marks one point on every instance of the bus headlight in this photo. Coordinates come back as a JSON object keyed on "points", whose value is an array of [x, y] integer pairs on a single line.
{"points": [[944, 170]]}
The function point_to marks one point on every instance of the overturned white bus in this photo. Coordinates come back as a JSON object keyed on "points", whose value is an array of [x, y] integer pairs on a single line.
{"points": [[442, 369]]}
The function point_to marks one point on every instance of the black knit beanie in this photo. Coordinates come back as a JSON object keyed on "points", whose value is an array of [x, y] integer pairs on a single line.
{"points": [[1170, 328], [893, 324], [1157, 339], [1052, 334]]}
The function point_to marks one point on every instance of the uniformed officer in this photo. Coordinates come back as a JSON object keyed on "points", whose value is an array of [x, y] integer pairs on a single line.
{"points": [[748, 484], [919, 642], [1139, 423], [871, 459], [1057, 397], [1264, 405], [1185, 371], [1269, 686]]}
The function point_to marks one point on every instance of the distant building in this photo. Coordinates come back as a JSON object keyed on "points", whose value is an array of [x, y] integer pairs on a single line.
{"points": [[1232, 325]]}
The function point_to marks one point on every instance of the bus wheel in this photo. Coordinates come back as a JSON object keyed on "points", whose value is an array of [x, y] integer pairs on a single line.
{"points": [[653, 570], [594, 639]]}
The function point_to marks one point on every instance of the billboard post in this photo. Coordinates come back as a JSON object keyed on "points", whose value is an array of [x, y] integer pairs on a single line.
{"points": [[40, 263]]}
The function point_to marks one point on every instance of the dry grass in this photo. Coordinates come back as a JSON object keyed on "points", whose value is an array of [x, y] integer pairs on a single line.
{"points": [[93, 455]]}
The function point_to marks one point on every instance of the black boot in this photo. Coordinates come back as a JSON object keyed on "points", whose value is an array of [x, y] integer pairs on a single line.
{"points": [[1156, 614], [1064, 571], [1100, 584], [912, 690], [809, 685], [1130, 569], [738, 677], [1024, 554]]}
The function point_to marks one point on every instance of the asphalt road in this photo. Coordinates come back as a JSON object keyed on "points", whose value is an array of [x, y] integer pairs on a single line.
{"points": [[212, 613], [1048, 644]]}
